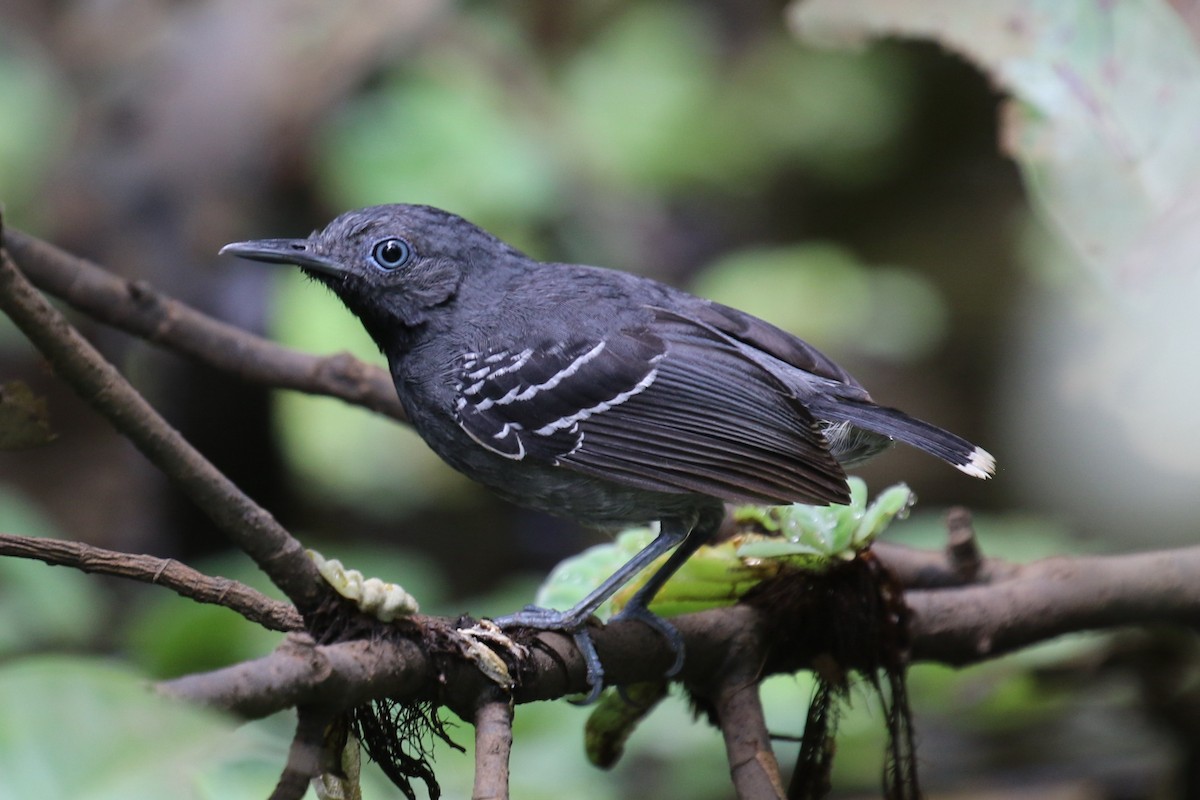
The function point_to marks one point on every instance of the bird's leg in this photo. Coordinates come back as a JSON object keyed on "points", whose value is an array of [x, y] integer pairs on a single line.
{"points": [[574, 620], [636, 607]]}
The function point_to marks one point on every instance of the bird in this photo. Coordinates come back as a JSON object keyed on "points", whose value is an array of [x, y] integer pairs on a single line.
{"points": [[598, 395]]}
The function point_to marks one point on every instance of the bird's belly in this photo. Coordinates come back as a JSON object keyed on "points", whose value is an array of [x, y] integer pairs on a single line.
{"points": [[595, 502]]}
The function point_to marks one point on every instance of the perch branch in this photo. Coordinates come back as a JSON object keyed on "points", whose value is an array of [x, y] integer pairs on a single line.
{"points": [[956, 625], [135, 307], [350, 673], [78, 363], [183, 580], [301, 672]]}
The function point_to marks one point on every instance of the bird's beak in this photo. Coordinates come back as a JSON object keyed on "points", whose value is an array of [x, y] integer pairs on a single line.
{"points": [[300, 252]]}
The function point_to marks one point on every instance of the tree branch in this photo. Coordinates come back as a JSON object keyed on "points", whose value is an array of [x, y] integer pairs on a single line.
{"points": [[300, 672], [958, 625], [183, 580], [931, 569], [752, 763], [78, 363], [307, 756], [739, 712], [962, 548], [1044, 599], [137, 308]]}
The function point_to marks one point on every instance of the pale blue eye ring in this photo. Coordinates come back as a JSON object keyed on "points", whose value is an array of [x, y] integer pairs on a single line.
{"points": [[390, 254]]}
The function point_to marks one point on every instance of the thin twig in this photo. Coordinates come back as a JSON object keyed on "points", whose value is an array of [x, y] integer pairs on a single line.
{"points": [[78, 363], [183, 580], [962, 548], [136, 308], [493, 744], [752, 763], [307, 756], [933, 569], [739, 712]]}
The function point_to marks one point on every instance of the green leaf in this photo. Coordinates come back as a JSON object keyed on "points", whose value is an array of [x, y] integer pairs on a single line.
{"points": [[809, 537], [819, 534], [652, 102], [615, 717], [574, 577]]}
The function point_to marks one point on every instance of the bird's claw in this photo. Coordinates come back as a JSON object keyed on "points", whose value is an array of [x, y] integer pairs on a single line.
{"points": [[665, 629], [548, 619], [595, 670]]}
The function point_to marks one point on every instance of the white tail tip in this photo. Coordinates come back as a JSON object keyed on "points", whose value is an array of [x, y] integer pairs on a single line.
{"points": [[981, 464]]}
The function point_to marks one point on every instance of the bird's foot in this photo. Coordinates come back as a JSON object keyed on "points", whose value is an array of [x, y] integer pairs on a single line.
{"points": [[544, 619], [665, 629], [572, 624]]}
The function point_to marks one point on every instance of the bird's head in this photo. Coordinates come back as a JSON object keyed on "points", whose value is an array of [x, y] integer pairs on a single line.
{"points": [[389, 264]]}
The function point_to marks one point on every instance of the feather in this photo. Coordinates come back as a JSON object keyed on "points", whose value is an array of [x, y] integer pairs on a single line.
{"points": [[679, 410]]}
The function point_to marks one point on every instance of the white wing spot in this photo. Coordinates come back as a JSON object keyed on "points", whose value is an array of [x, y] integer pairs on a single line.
{"points": [[518, 361], [489, 372], [579, 416], [524, 394], [517, 456]]}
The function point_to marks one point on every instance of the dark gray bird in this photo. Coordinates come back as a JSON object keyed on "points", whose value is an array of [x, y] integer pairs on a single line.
{"points": [[598, 395]]}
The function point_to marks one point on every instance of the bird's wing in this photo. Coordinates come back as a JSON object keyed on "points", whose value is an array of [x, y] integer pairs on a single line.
{"points": [[765, 338], [675, 408]]}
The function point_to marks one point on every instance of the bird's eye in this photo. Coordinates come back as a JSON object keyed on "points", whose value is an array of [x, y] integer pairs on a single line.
{"points": [[391, 254]]}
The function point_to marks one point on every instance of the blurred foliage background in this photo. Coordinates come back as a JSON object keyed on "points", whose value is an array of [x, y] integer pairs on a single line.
{"points": [[987, 212]]}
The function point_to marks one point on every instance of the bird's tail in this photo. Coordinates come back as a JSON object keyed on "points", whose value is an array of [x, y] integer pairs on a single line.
{"points": [[954, 450]]}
